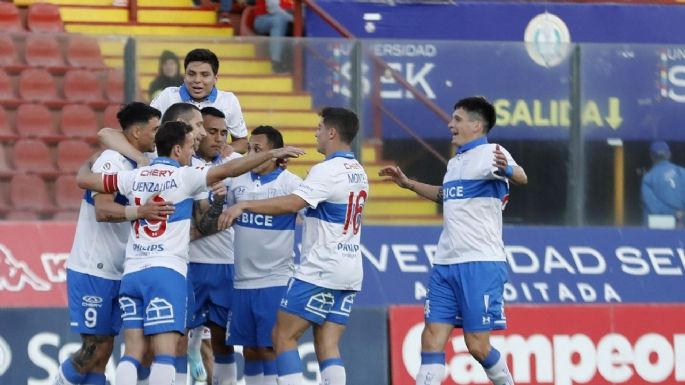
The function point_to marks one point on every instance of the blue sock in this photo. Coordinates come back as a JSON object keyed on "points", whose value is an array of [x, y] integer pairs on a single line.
{"points": [[143, 372], [253, 368], [224, 358], [330, 362], [428, 358], [70, 373], [288, 363], [94, 379], [180, 362], [270, 368], [491, 359]]}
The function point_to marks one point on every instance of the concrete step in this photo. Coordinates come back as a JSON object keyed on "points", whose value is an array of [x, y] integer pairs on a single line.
{"points": [[403, 220], [149, 29], [281, 118], [166, 3], [153, 47], [390, 190], [301, 168], [276, 101], [84, 13], [176, 16], [399, 206], [68, 2]]}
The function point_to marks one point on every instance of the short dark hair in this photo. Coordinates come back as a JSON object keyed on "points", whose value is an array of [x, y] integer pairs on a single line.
{"points": [[478, 105], [202, 55], [136, 113], [213, 111], [169, 135], [273, 136], [345, 122], [178, 111]]}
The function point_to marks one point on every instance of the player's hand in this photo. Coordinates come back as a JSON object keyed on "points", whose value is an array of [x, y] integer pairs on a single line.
{"points": [[218, 191], [396, 175], [286, 152], [500, 162], [156, 209], [229, 215], [283, 163], [226, 150]]}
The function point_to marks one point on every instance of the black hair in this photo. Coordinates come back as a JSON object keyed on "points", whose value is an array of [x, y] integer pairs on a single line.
{"points": [[345, 122], [136, 113], [479, 106], [273, 136], [213, 111], [169, 135], [178, 110], [202, 55]]}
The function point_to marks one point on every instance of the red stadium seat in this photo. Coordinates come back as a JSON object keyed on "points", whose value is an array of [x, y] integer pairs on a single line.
{"points": [[35, 121], [29, 192], [111, 116], [44, 17], [8, 54], [66, 216], [37, 85], [71, 154], [78, 121], [82, 86], [43, 50], [22, 215], [10, 21], [32, 155], [5, 167], [6, 131], [84, 51], [7, 96], [115, 86], [67, 194]]}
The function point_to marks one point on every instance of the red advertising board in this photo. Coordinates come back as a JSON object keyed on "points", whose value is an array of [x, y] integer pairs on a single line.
{"points": [[32, 263], [561, 345]]}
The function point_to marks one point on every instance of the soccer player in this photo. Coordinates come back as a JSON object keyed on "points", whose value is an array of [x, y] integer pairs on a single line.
{"points": [[330, 272], [199, 88], [263, 259], [153, 289], [469, 269], [211, 260], [95, 264]]}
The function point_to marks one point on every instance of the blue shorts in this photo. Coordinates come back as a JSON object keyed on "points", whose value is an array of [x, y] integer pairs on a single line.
{"points": [[93, 304], [153, 299], [253, 316], [317, 304], [212, 286], [467, 295]]}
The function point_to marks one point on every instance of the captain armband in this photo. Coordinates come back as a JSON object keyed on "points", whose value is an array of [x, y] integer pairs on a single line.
{"points": [[109, 181]]}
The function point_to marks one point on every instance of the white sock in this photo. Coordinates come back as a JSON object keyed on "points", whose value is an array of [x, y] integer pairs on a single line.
{"points": [[257, 379], [127, 373], [332, 372], [60, 379], [432, 370], [497, 372], [180, 378], [271, 379], [291, 379], [270, 373], [224, 374], [162, 374]]}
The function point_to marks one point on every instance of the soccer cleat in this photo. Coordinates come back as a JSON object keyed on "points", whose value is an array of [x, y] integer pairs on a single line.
{"points": [[197, 370]]}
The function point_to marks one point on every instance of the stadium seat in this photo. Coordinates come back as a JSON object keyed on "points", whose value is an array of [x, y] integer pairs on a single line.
{"points": [[35, 121], [10, 21], [115, 86], [84, 51], [43, 50], [32, 155], [71, 154], [28, 192], [66, 216], [7, 96], [111, 116], [67, 194], [5, 167], [78, 121], [44, 17], [21, 215], [37, 85], [9, 60], [82, 86], [247, 21], [6, 131]]}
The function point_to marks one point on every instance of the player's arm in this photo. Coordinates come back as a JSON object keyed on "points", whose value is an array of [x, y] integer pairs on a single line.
{"points": [[108, 210], [425, 190], [206, 212], [115, 140], [514, 173], [246, 163], [239, 144], [286, 204]]}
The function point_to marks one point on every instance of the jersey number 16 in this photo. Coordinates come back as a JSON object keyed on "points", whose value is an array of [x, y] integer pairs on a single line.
{"points": [[355, 205]]}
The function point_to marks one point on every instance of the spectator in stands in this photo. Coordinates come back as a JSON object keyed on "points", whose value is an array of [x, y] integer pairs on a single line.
{"points": [[225, 7], [275, 19], [169, 74], [663, 187]]}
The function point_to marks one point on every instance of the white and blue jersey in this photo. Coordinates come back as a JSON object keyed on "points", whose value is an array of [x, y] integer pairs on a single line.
{"points": [[225, 102], [263, 243], [473, 199], [161, 243], [99, 247], [336, 191]]}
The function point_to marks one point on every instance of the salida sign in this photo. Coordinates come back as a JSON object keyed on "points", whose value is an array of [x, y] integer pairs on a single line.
{"points": [[625, 344]]}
